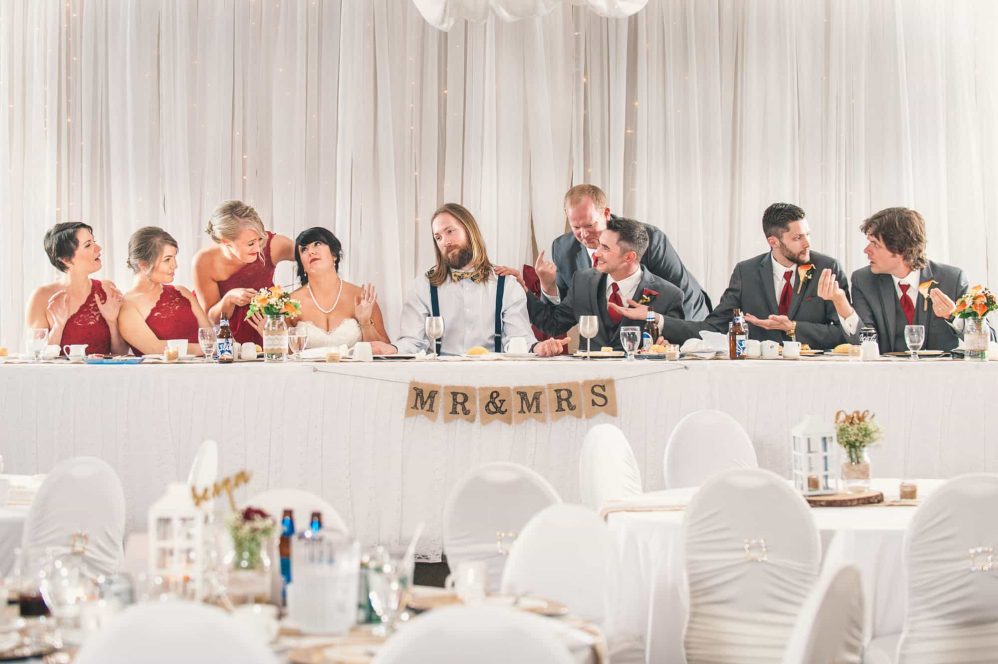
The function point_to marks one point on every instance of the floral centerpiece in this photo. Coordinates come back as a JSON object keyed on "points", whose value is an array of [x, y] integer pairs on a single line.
{"points": [[250, 529], [855, 432], [276, 304], [973, 306]]}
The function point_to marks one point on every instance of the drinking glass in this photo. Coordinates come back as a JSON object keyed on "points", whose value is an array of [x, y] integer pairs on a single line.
{"points": [[434, 330], [37, 340], [208, 341], [914, 336], [388, 581], [630, 338], [297, 339], [589, 328]]}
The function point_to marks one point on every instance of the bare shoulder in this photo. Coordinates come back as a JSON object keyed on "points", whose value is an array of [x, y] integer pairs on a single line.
{"points": [[43, 293], [185, 291], [107, 283], [298, 293], [206, 260]]}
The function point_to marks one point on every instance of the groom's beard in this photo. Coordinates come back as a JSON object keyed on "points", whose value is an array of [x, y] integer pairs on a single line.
{"points": [[459, 257], [799, 258]]}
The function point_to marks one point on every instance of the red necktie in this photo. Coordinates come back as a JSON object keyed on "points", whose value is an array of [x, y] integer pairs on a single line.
{"points": [[615, 316], [907, 306], [784, 307], [595, 260]]}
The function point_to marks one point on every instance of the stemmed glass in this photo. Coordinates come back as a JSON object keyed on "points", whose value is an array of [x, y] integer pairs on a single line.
{"points": [[297, 340], [388, 581], [914, 336], [434, 330], [630, 338], [208, 341], [589, 328], [37, 339]]}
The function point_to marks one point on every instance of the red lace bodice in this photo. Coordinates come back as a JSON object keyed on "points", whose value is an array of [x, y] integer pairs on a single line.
{"points": [[256, 275], [87, 325], [172, 318]]}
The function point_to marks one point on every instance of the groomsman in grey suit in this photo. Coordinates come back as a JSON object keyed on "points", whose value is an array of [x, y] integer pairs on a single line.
{"points": [[620, 291], [588, 213], [777, 290], [900, 286]]}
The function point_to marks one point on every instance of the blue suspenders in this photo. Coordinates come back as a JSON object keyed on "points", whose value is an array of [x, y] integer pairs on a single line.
{"points": [[497, 336]]}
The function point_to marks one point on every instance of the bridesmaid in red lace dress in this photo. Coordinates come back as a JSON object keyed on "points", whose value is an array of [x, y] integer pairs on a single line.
{"points": [[77, 309], [227, 275], [154, 311]]}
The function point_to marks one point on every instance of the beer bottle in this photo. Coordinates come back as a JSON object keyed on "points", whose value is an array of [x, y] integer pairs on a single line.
{"points": [[316, 522], [737, 334], [223, 347], [652, 333], [284, 546]]}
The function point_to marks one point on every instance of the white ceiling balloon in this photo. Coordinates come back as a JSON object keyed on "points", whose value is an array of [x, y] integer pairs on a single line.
{"points": [[443, 14]]}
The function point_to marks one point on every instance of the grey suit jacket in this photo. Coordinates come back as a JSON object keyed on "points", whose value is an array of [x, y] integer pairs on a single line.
{"points": [[874, 299], [751, 290], [660, 259], [587, 297]]}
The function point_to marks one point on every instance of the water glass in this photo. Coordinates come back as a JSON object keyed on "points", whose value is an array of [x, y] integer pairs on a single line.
{"points": [[434, 327], [297, 341], [914, 336], [37, 340], [630, 339], [388, 581], [207, 341], [588, 328]]}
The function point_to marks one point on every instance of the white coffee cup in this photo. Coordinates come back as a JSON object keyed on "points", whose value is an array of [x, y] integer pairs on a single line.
{"points": [[517, 345], [362, 352], [248, 351], [75, 352], [468, 581], [180, 345], [770, 350], [51, 352], [791, 350], [753, 348], [869, 350]]}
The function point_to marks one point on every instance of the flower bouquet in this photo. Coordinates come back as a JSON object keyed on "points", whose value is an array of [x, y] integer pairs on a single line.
{"points": [[855, 432], [973, 306], [249, 563], [276, 304]]}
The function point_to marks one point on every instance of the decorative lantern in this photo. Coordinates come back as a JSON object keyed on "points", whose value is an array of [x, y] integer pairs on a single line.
{"points": [[815, 460], [176, 542]]}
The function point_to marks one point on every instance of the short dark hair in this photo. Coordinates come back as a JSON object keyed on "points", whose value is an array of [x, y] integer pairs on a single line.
{"points": [[316, 234], [630, 233], [61, 243], [902, 230], [778, 217]]}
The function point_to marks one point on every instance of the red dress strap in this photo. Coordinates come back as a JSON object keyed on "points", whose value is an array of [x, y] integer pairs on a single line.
{"points": [[256, 275], [87, 325]]}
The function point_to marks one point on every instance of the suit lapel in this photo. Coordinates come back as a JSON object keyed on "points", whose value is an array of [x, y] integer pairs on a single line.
{"points": [[599, 294], [798, 298], [888, 299], [923, 308], [766, 280], [582, 260]]}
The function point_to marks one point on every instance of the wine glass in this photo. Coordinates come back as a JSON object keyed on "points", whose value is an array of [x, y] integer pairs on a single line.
{"points": [[208, 341], [589, 328], [914, 336], [297, 340], [434, 330], [37, 339], [388, 581], [630, 338]]}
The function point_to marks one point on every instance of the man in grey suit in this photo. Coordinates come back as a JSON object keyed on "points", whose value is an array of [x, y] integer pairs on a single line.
{"points": [[619, 278], [588, 214], [777, 290], [900, 286]]}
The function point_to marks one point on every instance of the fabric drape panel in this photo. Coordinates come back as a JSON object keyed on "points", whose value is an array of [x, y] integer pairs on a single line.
{"points": [[360, 116]]}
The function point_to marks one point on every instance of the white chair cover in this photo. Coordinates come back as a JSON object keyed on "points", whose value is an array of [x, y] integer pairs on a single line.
{"points": [[951, 554], [562, 554], [752, 556], [302, 503], [830, 627], [706, 442], [81, 494], [607, 467], [204, 468], [172, 632], [492, 499], [483, 635]]}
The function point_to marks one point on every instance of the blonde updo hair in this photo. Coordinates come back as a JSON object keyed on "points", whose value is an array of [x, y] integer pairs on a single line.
{"points": [[231, 217], [146, 246]]}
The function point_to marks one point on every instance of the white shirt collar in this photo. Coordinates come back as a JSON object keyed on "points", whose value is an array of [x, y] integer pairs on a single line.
{"points": [[911, 280], [627, 286], [779, 270]]}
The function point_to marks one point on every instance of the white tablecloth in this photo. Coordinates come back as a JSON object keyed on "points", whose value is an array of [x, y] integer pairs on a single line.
{"points": [[338, 430], [652, 598]]}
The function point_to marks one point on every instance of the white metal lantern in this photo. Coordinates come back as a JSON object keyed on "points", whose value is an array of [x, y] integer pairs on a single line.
{"points": [[815, 457], [176, 542]]}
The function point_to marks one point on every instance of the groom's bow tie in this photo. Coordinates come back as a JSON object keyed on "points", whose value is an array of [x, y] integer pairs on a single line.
{"points": [[475, 275]]}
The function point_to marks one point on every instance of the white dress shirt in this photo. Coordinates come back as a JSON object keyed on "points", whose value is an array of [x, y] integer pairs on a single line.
{"points": [[850, 324], [468, 310], [779, 280]]}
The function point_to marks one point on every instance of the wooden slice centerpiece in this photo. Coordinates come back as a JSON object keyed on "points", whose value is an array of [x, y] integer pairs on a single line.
{"points": [[846, 499]]}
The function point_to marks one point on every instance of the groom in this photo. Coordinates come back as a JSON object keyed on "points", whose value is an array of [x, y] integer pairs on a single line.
{"points": [[603, 292]]}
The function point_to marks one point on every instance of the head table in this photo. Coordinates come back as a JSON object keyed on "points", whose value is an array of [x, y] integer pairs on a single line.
{"points": [[339, 430]]}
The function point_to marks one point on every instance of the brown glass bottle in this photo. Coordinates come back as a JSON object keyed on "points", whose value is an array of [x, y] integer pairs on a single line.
{"points": [[224, 342], [737, 335]]}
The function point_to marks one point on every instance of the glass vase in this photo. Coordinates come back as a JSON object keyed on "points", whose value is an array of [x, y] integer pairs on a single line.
{"points": [[275, 339], [856, 472], [249, 579], [975, 339]]}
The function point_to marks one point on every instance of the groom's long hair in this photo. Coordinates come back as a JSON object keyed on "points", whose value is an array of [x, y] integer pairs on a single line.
{"points": [[480, 264]]}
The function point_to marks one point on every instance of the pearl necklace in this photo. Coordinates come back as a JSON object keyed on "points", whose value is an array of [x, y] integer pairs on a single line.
{"points": [[330, 309]]}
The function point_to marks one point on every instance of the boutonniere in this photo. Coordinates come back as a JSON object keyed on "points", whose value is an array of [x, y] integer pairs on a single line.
{"points": [[804, 273], [923, 290], [647, 295]]}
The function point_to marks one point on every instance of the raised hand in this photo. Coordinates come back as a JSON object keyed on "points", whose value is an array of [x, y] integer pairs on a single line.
{"points": [[549, 347], [111, 304], [633, 310], [256, 321], [57, 309], [240, 297], [363, 304], [504, 271], [942, 305], [774, 322], [547, 273], [830, 290]]}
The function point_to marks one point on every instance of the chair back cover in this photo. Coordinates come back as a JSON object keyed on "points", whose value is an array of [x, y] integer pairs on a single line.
{"points": [[562, 554], [483, 635], [81, 494], [830, 627], [173, 632], [607, 467], [488, 509], [706, 442], [952, 575], [302, 503], [752, 556], [204, 468]]}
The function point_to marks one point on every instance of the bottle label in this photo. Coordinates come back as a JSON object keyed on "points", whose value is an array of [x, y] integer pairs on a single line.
{"points": [[224, 348], [740, 345], [646, 340]]}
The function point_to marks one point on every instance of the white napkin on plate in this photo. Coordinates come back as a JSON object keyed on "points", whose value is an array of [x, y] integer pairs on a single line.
{"points": [[320, 352], [712, 341]]}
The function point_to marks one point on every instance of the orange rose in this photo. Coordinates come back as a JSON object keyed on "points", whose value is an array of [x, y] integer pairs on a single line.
{"points": [[289, 308], [276, 291], [980, 308], [961, 305]]}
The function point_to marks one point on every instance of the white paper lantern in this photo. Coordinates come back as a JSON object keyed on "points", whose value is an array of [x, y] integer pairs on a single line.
{"points": [[815, 457], [176, 542]]}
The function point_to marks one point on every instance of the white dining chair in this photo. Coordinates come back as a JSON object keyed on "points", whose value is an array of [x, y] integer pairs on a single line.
{"points": [[703, 443], [302, 503], [204, 467], [752, 555], [829, 629], [171, 632], [483, 635], [607, 467], [487, 510], [81, 494]]}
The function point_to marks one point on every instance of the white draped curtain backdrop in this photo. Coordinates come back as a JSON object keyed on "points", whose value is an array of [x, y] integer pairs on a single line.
{"points": [[360, 116]]}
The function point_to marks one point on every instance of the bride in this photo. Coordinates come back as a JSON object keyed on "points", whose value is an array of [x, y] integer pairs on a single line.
{"points": [[335, 312]]}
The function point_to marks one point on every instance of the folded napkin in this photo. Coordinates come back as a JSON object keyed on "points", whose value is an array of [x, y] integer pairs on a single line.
{"points": [[320, 352], [712, 341]]}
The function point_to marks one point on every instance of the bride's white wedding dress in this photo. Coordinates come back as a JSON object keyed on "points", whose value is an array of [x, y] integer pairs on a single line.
{"points": [[347, 333]]}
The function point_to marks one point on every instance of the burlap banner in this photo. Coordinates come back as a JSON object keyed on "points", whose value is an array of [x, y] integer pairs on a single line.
{"points": [[512, 405]]}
